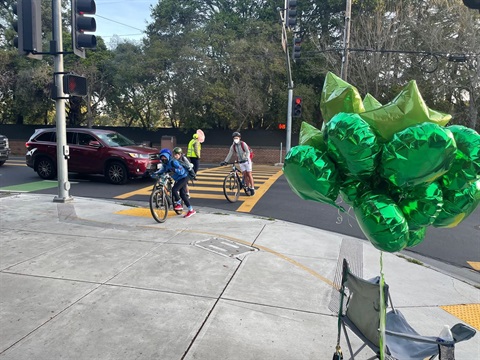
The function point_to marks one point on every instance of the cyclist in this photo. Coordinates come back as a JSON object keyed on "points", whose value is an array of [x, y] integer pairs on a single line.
{"points": [[183, 161], [243, 156], [180, 175]]}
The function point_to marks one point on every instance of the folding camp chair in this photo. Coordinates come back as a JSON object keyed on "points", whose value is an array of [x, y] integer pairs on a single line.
{"points": [[360, 311]]}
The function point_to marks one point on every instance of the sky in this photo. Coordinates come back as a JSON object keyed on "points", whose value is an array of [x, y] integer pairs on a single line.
{"points": [[125, 18]]}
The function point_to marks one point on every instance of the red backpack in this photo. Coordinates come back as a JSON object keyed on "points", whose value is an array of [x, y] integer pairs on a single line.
{"points": [[243, 148]]}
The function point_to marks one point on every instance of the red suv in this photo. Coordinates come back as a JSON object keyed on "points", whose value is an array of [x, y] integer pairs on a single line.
{"points": [[92, 151]]}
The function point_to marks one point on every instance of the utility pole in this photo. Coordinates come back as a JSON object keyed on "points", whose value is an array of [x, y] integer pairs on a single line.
{"points": [[63, 153], [346, 40]]}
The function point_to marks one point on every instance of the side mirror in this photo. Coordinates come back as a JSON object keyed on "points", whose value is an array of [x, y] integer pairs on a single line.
{"points": [[95, 144]]}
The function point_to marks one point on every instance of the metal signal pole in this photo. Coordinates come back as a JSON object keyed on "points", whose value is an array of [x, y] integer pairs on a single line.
{"points": [[62, 147], [346, 40]]}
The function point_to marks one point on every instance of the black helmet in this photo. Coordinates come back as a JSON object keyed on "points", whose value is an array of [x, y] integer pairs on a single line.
{"points": [[236, 133]]}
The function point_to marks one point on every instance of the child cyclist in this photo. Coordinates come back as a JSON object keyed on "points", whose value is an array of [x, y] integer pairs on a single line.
{"points": [[180, 175], [242, 151]]}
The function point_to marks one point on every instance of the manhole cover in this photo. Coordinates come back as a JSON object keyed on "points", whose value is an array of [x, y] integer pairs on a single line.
{"points": [[225, 247]]}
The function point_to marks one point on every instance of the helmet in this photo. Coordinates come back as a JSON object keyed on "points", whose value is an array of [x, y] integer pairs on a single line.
{"points": [[236, 133], [195, 136], [177, 150], [165, 150]]}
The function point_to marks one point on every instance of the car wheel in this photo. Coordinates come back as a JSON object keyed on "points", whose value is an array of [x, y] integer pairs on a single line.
{"points": [[45, 168], [116, 173]]}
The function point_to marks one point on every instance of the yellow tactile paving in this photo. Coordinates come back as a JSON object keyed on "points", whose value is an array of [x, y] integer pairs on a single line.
{"points": [[142, 212], [469, 313], [475, 265]]}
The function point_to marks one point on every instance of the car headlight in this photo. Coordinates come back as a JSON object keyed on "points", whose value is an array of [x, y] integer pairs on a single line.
{"points": [[139, 156], [6, 143]]}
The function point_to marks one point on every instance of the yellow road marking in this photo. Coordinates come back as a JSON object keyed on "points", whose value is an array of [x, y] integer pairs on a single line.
{"points": [[475, 265], [469, 313], [142, 212], [250, 202]]}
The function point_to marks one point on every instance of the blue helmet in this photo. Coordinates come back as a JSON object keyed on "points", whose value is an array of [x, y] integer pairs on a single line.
{"points": [[166, 151]]}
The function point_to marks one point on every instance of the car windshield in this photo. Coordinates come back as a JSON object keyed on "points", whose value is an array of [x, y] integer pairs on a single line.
{"points": [[115, 139]]}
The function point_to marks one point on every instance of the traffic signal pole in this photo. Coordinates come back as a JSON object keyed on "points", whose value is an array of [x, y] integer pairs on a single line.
{"points": [[284, 18], [60, 120]]}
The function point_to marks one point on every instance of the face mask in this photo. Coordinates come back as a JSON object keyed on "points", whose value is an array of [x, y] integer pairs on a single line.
{"points": [[164, 161], [236, 141]]}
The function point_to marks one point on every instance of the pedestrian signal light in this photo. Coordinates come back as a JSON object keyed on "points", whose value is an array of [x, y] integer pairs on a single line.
{"points": [[282, 126], [82, 24], [297, 107], [74, 85]]}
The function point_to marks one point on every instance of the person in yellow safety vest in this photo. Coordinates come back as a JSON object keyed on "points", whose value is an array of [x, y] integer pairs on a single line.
{"points": [[193, 152]]}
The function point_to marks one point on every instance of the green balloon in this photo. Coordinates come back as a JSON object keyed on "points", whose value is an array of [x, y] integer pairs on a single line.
{"points": [[415, 237], [458, 205], [352, 145], [339, 96], [421, 205], [310, 135], [382, 222], [417, 155], [352, 190], [312, 175], [466, 166]]}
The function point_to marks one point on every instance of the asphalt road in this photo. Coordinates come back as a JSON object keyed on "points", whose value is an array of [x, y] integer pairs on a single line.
{"points": [[459, 246]]}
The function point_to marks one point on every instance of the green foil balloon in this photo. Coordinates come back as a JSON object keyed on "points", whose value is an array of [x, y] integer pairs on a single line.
{"points": [[406, 110], [466, 166], [339, 96], [421, 205], [457, 205], [352, 190], [311, 174], [310, 135], [417, 155], [382, 222], [352, 145], [415, 237], [370, 103]]}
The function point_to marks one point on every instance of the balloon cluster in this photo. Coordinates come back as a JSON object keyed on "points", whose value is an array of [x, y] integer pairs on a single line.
{"points": [[397, 165]]}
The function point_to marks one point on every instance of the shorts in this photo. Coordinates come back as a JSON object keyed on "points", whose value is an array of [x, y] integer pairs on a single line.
{"points": [[246, 166]]}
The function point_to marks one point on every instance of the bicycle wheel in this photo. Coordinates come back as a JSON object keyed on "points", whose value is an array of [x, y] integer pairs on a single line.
{"points": [[231, 188], [158, 205]]}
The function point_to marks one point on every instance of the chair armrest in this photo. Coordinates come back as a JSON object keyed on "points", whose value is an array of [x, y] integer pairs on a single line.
{"points": [[418, 338], [462, 332]]}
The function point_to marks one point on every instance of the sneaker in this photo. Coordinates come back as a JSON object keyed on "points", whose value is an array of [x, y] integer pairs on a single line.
{"points": [[178, 207], [252, 191], [190, 213]]}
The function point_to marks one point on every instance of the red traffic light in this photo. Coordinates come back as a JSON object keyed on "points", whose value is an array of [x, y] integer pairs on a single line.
{"points": [[298, 101]]}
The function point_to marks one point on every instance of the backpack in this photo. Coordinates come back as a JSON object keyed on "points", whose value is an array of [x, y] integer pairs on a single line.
{"points": [[243, 148], [187, 165]]}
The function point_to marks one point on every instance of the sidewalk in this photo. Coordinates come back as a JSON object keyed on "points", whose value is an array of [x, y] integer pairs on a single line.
{"points": [[94, 279]]}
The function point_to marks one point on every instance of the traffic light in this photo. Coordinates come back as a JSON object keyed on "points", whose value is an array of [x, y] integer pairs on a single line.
{"points": [[291, 13], [297, 107], [472, 4], [74, 85], [296, 48], [28, 27], [82, 24]]}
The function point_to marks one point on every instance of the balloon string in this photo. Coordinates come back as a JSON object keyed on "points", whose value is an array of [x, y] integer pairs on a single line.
{"points": [[340, 217], [382, 310]]}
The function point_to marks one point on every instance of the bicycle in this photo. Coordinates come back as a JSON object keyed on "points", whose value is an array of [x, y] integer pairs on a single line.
{"points": [[161, 198], [233, 183]]}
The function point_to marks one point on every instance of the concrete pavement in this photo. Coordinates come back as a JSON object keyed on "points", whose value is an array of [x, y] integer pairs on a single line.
{"points": [[97, 279]]}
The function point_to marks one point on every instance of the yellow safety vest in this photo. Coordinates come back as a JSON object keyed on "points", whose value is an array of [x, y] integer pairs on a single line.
{"points": [[191, 148]]}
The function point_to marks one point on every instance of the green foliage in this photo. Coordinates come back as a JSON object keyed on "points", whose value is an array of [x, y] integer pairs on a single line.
{"points": [[220, 64]]}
